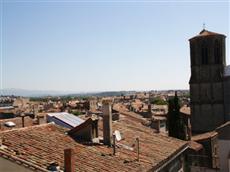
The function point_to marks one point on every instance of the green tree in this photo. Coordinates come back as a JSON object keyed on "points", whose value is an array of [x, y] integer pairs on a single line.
{"points": [[76, 113], [158, 101], [175, 124]]}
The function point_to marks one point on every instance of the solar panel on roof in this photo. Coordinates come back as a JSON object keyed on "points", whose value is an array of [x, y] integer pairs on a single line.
{"points": [[68, 118]]}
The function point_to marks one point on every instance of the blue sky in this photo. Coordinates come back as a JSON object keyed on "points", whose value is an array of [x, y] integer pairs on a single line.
{"points": [[103, 45]]}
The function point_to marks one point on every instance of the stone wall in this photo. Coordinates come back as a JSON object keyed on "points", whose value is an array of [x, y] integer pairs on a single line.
{"points": [[227, 98]]}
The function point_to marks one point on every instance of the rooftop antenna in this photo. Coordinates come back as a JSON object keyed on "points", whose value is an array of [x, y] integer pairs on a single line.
{"points": [[114, 144], [138, 148]]}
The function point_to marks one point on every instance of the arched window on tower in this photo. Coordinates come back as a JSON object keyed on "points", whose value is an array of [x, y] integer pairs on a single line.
{"points": [[192, 55], [217, 52], [204, 54]]}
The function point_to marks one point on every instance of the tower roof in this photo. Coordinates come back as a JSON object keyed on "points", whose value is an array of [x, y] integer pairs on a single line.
{"points": [[205, 33]]}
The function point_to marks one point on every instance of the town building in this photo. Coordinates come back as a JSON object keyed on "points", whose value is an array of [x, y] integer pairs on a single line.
{"points": [[7, 112], [208, 158], [209, 82], [224, 146]]}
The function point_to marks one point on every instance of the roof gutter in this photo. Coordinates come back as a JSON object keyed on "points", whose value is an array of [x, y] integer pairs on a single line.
{"points": [[171, 159]]}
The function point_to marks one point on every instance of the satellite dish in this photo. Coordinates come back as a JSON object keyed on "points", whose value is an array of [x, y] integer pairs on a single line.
{"points": [[117, 135], [10, 124]]}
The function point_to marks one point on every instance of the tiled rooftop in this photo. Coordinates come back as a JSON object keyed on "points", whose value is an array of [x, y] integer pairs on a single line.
{"points": [[40, 145], [195, 146], [205, 33], [185, 110], [204, 136]]}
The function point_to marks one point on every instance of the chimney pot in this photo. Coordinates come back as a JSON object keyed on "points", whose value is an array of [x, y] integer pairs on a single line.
{"points": [[38, 119], [69, 160], [23, 120]]}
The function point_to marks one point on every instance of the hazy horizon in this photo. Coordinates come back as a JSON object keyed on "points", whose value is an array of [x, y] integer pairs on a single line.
{"points": [[89, 91], [41, 93], [91, 46]]}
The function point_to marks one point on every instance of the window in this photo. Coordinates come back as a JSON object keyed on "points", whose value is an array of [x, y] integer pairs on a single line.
{"points": [[192, 55], [204, 54], [217, 52]]}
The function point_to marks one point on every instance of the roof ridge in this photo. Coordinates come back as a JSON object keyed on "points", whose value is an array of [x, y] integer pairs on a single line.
{"points": [[223, 125], [204, 33], [204, 30], [29, 127]]}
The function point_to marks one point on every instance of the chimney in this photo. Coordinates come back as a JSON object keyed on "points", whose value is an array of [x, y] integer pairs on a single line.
{"points": [[149, 111], [69, 161], [107, 122], [158, 126], [38, 119], [23, 120], [149, 108]]}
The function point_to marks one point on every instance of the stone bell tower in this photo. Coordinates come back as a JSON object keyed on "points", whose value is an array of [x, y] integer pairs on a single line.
{"points": [[208, 62]]}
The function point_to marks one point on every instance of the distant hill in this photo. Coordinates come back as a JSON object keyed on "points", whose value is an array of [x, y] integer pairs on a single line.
{"points": [[105, 93], [42, 93], [30, 93]]}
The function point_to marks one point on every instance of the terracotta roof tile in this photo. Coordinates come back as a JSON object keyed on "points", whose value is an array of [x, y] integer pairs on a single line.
{"points": [[185, 110], [195, 146], [204, 136], [204, 33]]}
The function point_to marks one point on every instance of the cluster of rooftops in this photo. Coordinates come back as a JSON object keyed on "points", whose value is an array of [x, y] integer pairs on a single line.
{"points": [[38, 146]]}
